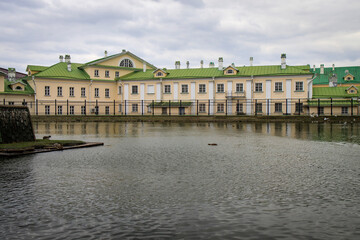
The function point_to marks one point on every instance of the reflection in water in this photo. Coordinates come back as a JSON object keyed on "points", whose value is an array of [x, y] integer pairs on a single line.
{"points": [[163, 181]]}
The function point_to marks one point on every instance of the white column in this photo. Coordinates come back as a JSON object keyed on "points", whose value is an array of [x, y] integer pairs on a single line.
{"points": [[211, 97], [126, 97], [248, 97], [142, 95], [193, 96], [268, 96], [176, 91], [158, 92], [229, 93], [288, 94]]}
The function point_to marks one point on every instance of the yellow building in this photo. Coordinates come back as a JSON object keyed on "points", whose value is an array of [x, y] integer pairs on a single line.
{"points": [[124, 84]]}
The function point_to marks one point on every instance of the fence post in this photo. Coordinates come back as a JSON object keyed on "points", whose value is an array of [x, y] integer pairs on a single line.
{"points": [[55, 108], [299, 106], [36, 106], [331, 106], [96, 107], [67, 106], [85, 107], [318, 106], [352, 107], [209, 107], [142, 107], [255, 107], [286, 107], [197, 107], [4, 101], [268, 107], [153, 106], [125, 107], [114, 107], [226, 110], [169, 107]]}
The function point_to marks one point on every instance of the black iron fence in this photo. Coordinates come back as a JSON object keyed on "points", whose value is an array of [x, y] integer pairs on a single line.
{"points": [[193, 107]]}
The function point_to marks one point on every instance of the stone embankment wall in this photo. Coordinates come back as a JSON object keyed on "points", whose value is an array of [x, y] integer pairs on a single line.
{"points": [[15, 124]]}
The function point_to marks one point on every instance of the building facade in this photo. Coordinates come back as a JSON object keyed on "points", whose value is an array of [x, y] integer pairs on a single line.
{"points": [[124, 84]]}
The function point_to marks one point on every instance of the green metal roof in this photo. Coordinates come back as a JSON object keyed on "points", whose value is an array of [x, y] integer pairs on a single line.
{"points": [[7, 89], [36, 68], [339, 73], [59, 70], [334, 92], [215, 72]]}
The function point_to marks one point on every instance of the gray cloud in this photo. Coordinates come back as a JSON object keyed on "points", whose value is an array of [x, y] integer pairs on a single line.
{"points": [[314, 32]]}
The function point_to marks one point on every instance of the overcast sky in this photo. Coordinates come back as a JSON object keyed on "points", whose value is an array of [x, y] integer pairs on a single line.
{"points": [[162, 31]]}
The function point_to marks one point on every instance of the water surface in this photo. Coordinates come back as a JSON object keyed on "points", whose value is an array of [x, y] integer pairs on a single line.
{"points": [[163, 181]]}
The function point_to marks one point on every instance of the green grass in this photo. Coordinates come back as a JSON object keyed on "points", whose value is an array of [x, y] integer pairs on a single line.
{"points": [[39, 144]]}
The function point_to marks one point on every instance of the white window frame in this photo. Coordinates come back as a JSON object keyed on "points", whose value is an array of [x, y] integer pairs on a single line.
{"points": [[258, 87], [47, 90], [220, 107], [202, 107], [96, 91], [220, 88], [299, 86], [167, 88], [83, 92], [107, 92], [278, 107], [107, 73], [134, 89], [278, 87], [96, 73], [71, 110], [59, 109], [134, 107], [71, 92], [239, 87], [126, 63], [83, 110], [239, 107], [47, 109], [107, 110], [202, 88], [59, 91], [345, 110], [184, 88]]}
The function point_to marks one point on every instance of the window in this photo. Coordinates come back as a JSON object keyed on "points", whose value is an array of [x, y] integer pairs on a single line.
{"points": [[278, 87], [239, 87], [117, 74], [258, 108], [59, 110], [120, 108], [202, 88], [258, 87], [184, 88], [164, 110], [47, 110], [59, 91], [107, 93], [230, 71], [220, 88], [119, 90], [278, 107], [134, 107], [107, 110], [149, 109], [299, 107], [83, 92], [83, 110], [107, 73], [96, 73], [96, 92], [11, 103], [167, 89], [71, 91], [134, 89], [299, 86], [220, 107], [47, 90], [72, 110], [202, 107], [24, 103], [159, 74], [126, 63], [18, 88], [321, 111], [239, 108], [344, 110]]}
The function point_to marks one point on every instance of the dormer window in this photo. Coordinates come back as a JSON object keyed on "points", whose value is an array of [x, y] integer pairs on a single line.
{"points": [[352, 90], [126, 63], [230, 71], [349, 77], [18, 88], [159, 74]]}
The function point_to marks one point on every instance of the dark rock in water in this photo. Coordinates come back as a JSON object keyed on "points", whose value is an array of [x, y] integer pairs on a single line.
{"points": [[212, 144]]}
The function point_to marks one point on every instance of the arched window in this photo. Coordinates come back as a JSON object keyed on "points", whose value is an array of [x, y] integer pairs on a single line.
{"points": [[348, 78], [18, 88], [159, 74], [126, 63], [230, 71]]}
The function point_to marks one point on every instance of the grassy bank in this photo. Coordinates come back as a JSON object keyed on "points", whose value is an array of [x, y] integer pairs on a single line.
{"points": [[110, 118]]}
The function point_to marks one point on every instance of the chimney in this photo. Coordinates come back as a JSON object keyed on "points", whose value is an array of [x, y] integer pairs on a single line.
{"points": [[283, 61], [67, 58], [177, 65], [322, 69], [251, 61], [233, 65], [221, 61], [202, 63], [105, 53], [333, 67], [187, 64], [314, 68], [144, 66], [61, 58], [11, 74], [124, 50], [211, 65]]}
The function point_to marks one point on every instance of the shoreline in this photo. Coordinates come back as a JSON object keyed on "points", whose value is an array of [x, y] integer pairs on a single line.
{"points": [[195, 119]]}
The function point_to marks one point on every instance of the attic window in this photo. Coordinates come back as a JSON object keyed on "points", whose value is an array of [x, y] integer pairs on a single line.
{"points": [[230, 71], [126, 63], [159, 74], [352, 91], [348, 78], [18, 88]]}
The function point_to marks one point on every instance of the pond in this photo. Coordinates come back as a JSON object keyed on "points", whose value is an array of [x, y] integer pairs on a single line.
{"points": [[163, 181]]}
